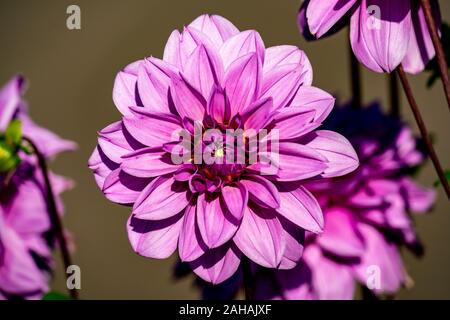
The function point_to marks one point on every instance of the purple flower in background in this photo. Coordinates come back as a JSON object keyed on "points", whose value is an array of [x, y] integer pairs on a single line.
{"points": [[366, 215], [215, 79], [383, 33], [26, 239]]}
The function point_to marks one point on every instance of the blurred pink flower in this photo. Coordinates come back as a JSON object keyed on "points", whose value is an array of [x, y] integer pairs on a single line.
{"points": [[213, 76], [366, 215], [383, 33], [26, 238]]}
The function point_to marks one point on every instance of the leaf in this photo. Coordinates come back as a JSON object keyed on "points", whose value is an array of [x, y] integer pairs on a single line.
{"points": [[13, 133], [437, 183], [53, 295], [9, 159]]}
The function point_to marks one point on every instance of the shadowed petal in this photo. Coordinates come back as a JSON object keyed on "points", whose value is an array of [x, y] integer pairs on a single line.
{"points": [[322, 15], [152, 129], [217, 28], [340, 155], [260, 237], [242, 82], [381, 43], [295, 239], [148, 162], [190, 243], [122, 188], [188, 101], [213, 220], [340, 235], [235, 197], [241, 45], [261, 191], [162, 198], [293, 123], [312, 98], [219, 105], [217, 265], [124, 91], [154, 239], [299, 206]]}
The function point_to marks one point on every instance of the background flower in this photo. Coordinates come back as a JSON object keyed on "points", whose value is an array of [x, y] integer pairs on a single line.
{"points": [[26, 237], [214, 76], [366, 214], [383, 33]]}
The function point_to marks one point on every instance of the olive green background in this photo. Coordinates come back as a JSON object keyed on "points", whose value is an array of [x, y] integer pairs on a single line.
{"points": [[71, 76]]}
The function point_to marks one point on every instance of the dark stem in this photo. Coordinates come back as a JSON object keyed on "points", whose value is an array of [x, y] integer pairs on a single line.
{"points": [[355, 79], [423, 129], [394, 95], [53, 213], [248, 278], [440, 55]]}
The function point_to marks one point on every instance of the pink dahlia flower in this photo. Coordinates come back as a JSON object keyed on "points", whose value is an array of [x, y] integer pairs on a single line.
{"points": [[212, 82], [383, 33], [366, 216], [26, 238]]}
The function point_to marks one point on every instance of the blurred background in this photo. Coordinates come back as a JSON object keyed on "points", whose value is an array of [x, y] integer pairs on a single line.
{"points": [[71, 75]]}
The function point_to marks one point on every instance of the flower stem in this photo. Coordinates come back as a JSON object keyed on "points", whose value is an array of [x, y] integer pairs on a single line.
{"points": [[394, 95], [423, 129], [440, 55], [53, 213], [248, 278], [355, 79]]}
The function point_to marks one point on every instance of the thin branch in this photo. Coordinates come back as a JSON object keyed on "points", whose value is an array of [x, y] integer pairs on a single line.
{"points": [[423, 130], [55, 218], [440, 55]]}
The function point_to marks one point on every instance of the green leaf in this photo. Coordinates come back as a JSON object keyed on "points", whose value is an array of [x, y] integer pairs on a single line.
{"points": [[9, 159], [437, 183], [52, 295], [13, 133]]}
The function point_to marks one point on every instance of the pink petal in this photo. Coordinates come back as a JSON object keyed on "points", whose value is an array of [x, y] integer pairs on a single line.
{"points": [[101, 166], [299, 206], [260, 237], [284, 55], [383, 254], [235, 197], [152, 129], [293, 123], [113, 142], [331, 280], [241, 45], [124, 91], [214, 221], [153, 84], [10, 98], [203, 70], [188, 101], [381, 43], [312, 98], [261, 191], [162, 198], [219, 106], [295, 162], [340, 155], [154, 239], [420, 49], [217, 265], [217, 28], [294, 238], [122, 188], [340, 235], [281, 83], [190, 243], [419, 199], [242, 82], [258, 114], [148, 162], [322, 15], [172, 49]]}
